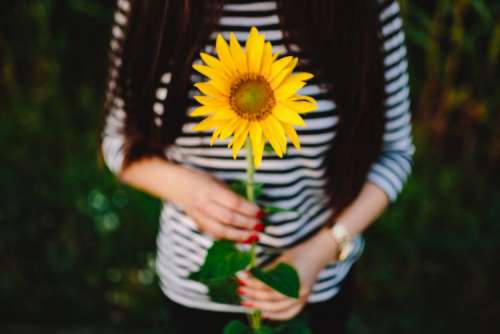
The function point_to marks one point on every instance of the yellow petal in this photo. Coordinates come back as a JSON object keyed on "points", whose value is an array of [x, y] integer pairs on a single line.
{"points": [[300, 107], [286, 90], [279, 65], [208, 89], [214, 136], [216, 64], [202, 111], [297, 77], [211, 73], [278, 131], [287, 115], [268, 133], [224, 87], [211, 101], [239, 56], [207, 123], [293, 63], [239, 138], [258, 152], [256, 136], [292, 134], [228, 128], [225, 114], [274, 132], [224, 54], [254, 48], [267, 60], [280, 77], [301, 76], [303, 97]]}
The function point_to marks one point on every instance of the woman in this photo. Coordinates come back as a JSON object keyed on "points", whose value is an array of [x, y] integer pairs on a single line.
{"points": [[356, 149]]}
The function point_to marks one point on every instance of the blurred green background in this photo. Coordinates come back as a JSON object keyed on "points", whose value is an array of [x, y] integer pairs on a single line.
{"points": [[77, 248]]}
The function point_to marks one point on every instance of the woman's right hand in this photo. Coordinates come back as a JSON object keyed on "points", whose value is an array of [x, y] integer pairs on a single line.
{"points": [[215, 208]]}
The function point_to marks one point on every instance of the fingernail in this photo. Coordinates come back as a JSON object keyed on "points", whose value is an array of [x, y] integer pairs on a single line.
{"points": [[240, 292], [261, 214], [251, 239], [259, 227], [241, 282]]}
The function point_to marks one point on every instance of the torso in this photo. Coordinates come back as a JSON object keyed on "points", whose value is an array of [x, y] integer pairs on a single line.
{"points": [[295, 182]]}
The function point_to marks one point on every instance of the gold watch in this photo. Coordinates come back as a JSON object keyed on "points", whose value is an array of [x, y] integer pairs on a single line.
{"points": [[344, 240]]}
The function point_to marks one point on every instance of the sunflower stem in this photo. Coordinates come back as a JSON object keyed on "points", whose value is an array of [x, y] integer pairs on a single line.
{"points": [[254, 318]]}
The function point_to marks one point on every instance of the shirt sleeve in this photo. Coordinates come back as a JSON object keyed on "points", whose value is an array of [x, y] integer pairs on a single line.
{"points": [[392, 168], [112, 135], [113, 138]]}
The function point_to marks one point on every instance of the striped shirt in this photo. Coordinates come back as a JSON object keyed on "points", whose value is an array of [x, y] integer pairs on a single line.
{"points": [[295, 182]]}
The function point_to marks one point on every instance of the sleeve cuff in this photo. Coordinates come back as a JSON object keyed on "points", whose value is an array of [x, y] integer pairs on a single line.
{"points": [[389, 175]]}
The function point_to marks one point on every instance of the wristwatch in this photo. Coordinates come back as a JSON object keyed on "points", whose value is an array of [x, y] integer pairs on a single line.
{"points": [[344, 240]]}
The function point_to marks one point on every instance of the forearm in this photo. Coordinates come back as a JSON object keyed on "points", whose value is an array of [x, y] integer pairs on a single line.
{"points": [[357, 217], [155, 176]]}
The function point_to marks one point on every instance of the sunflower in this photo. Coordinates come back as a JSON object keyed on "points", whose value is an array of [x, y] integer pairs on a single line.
{"points": [[251, 93]]}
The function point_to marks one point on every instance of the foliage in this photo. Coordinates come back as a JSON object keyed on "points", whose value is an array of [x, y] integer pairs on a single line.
{"points": [[78, 248], [223, 260], [282, 278]]}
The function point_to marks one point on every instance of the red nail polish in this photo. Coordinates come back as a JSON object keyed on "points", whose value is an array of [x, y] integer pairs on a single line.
{"points": [[261, 214], [240, 292], [251, 239], [240, 282], [259, 227]]}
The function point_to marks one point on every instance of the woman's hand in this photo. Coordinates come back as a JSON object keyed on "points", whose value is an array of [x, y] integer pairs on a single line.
{"points": [[216, 209], [308, 258]]}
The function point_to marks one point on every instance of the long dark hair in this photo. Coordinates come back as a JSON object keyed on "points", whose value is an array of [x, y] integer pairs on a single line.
{"points": [[338, 37]]}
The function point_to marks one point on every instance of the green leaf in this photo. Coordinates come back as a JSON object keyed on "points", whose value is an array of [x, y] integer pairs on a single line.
{"points": [[222, 261], [224, 290], [273, 209], [282, 278], [268, 148], [240, 187], [258, 189], [237, 327]]}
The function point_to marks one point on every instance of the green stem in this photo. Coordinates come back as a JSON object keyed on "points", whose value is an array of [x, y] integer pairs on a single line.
{"points": [[250, 171], [254, 318]]}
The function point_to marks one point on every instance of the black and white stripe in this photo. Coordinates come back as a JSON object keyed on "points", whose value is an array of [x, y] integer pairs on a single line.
{"points": [[295, 181]]}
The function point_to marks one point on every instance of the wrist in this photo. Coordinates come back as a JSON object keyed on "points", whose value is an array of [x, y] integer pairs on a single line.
{"points": [[321, 246]]}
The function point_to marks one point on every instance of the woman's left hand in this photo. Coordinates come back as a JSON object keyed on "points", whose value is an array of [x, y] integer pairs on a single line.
{"points": [[308, 258]]}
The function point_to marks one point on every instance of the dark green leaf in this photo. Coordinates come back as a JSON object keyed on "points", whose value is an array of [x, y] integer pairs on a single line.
{"points": [[268, 148], [222, 261], [282, 278], [224, 290], [258, 189], [237, 327], [239, 187]]}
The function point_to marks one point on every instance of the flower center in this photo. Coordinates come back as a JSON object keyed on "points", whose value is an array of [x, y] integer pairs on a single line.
{"points": [[252, 97]]}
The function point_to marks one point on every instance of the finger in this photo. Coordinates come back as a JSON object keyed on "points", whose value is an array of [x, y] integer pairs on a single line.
{"points": [[230, 217], [284, 315], [272, 306], [260, 295], [220, 231], [224, 196]]}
